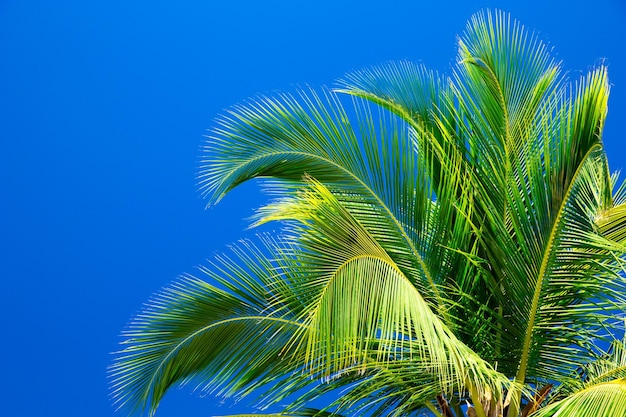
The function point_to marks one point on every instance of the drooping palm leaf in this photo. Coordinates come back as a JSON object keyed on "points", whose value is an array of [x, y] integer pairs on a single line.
{"points": [[365, 314], [372, 158], [226, 338]]}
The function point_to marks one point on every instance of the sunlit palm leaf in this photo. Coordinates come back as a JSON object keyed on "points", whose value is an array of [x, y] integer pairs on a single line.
{"points": [[364, 313], [612, 223], [605, 399], [285, 138], [608, 366]]}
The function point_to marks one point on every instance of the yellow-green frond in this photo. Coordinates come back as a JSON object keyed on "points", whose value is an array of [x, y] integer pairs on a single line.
{"points": [[606, 399]]}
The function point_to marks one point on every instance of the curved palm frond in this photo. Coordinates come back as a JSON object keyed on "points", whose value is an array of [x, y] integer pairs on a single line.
{"points": [[476, 126], [504, 75], [365, 314], [285, 139], [407, 89], [226, 337], [607, 366], [420, 97], [605, 399]]}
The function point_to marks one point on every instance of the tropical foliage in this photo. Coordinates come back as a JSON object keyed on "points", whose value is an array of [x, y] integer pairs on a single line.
{"points": [[454, 245]]}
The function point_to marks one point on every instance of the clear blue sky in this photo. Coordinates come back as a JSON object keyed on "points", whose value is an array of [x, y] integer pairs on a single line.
{"points": [[103, 105]]}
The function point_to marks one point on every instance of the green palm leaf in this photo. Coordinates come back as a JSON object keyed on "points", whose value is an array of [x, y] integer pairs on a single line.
{"points": [[605, 399], [376, 161], [224, 337], [365, 313]]}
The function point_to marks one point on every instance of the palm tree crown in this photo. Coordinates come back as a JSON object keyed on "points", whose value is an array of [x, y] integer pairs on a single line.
{"points": [[454, 244]]}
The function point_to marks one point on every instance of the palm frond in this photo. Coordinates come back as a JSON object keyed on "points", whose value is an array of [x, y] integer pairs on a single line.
{"points": [[607, 366], [371, 158], [407, 89], [605, 399], [506, 72], [225, 337], [365, 314]]}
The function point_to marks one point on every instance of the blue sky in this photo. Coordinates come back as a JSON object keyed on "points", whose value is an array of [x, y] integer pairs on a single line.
{"points": [[103, 105]]}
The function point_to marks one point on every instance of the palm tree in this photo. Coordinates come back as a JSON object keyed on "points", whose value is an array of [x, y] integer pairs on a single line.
{"points": [[450, 244]]}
